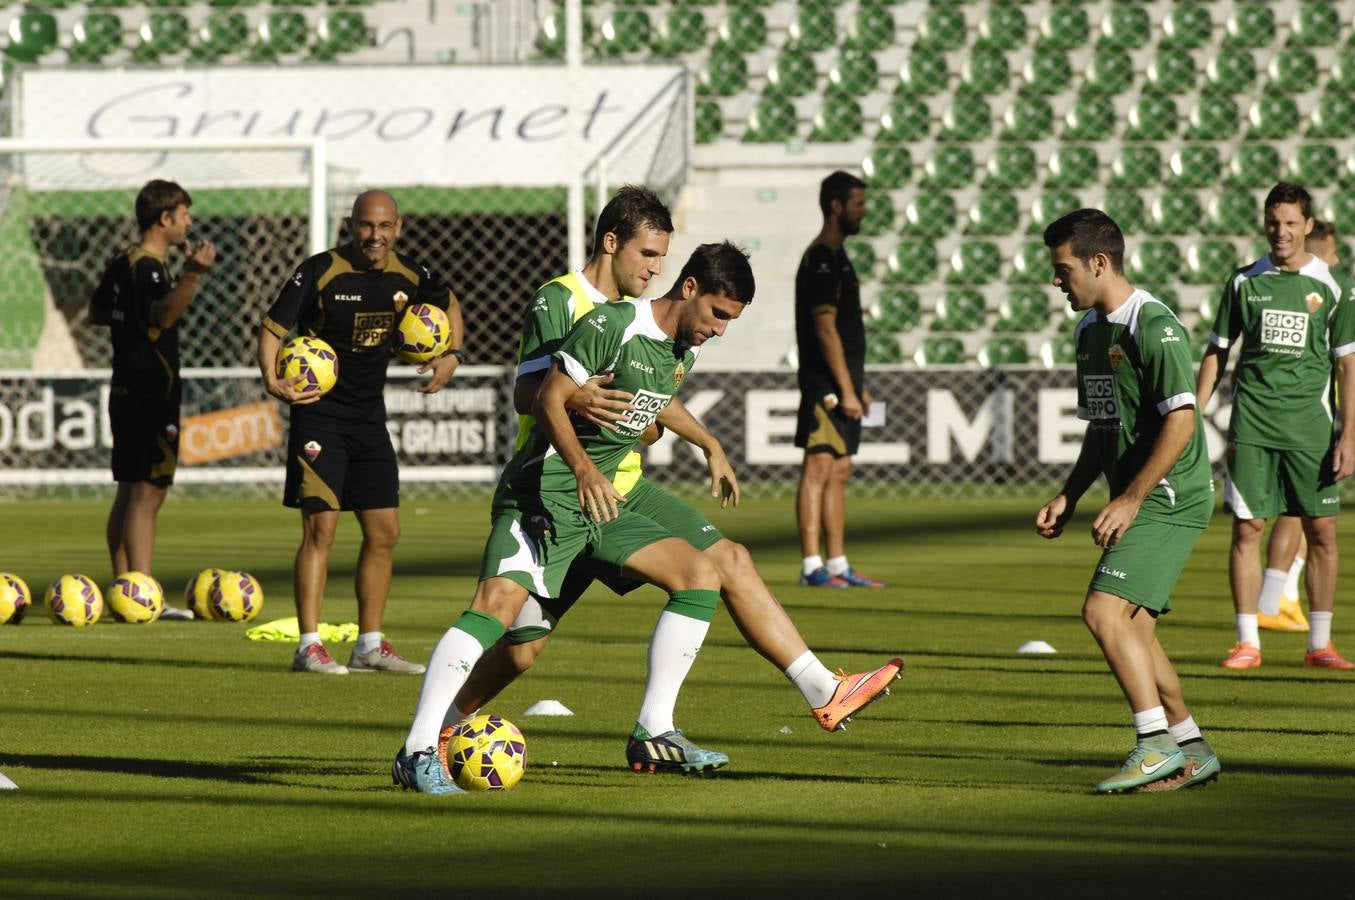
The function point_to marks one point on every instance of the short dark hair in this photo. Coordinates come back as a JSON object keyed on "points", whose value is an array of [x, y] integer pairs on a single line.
{"points": [[1321, 231], [1090, 231], [1284, 192], [156, 198], [632, 208], [839, 187], [721, 268]]}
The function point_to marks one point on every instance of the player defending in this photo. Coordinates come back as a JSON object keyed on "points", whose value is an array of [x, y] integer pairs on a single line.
{"points": [[1135, 389], [142, 305], [831, 339], [1292, 318], [339, 454]]}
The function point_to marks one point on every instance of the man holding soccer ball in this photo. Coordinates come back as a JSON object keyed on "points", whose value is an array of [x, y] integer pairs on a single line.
{"points": [[339, 453]]}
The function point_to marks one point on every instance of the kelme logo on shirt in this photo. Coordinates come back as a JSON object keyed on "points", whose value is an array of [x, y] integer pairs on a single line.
{"points": [[1314, 301], [1169, 335], [1280, 328], [1116, 356], [1100, 393]]}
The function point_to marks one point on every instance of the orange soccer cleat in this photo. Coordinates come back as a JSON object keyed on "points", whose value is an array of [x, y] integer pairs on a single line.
{"points": [[1327, 658], [1243, 656], [854, 693]]}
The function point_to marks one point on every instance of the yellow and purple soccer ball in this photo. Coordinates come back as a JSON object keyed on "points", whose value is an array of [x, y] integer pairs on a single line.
{"points": [[15, 599], [488, 753], [74, 600], [310, 361], [425, 332], [197, 594], [235, 597], [135, 597]]}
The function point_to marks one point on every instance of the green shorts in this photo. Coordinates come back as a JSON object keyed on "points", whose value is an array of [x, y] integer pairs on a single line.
{"points": [[1144, 565], [1264, 482]]}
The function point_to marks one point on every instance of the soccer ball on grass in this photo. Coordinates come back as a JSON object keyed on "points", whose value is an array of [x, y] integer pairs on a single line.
{"points": [[235, 597], [74, 600], [197, 594], [311, 361], [488, 753], [14, 599], [135, 597]]}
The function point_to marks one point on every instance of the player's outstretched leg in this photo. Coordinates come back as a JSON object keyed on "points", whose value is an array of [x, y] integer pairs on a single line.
{"points": [[854, 693]]}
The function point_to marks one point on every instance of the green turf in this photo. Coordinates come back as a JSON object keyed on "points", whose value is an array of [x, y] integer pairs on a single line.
{"points": [[179, 759]]}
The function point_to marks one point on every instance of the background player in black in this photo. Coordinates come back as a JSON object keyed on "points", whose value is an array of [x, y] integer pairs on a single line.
{"points": [[142, 305], [830, 336], [339, 453]]}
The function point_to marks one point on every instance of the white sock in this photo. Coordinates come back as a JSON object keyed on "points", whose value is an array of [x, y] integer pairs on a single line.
{"points": [[1319, 629], [1185, 730], [308, 638], [453, 658], [811, 564], [836, 565], [367, 642], [672, 650], [1291, 581], [1247, 632], [1272, 588], [455, 716], [1150, 721], [812, 677]]}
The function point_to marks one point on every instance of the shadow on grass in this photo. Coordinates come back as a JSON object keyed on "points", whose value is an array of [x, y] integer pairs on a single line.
{"points": [[142, 661], [240, 773]]}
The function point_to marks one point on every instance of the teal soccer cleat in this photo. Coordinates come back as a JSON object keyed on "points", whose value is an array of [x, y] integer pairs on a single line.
{"points": [[1151, 759], [1202, 767], [422, 772], [669, 752]]}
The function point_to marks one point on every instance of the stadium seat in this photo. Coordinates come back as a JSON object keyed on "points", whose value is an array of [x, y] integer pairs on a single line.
{"points": [[975, 262], [724, 72], [1292, 71], [939, 350], [1027, 118], [772, 121], [994, 213], [923, 72], [985, 71], [710, 121], [837, 119], [862, 256], [1213, 117], [1136, 166], [1209, 262], [1073, 165], [222, 33], [624, 31], [164, 34], [1047, 72], [1049, 206], [95, 36], [854, 73], [1254, 166], [1230, 71], [792, 73], [1090, 118], [943, 27], [744, 28], [1342, 73], [949, 166], [1315, 25], [1273, 116], [1058, 350], [880, 217], [814, 27], [1126, 26], [1110, 72], [1333, 116], [1031, 264], [960, 309], [1341, 213], [888, 166], [1003, 350], [1187, 25], [341, 31], [681, 30], [966, 118], [1233, 211], [280, 33], [1151, 118], [898, 309], [1315, 165], [1065, 27], [1172, 71], [1175, 212], [911, 262], [1023, 310], [904, 119], [1151, 261], [1003, 26], [929, 213], [1194, 166], [231, 4], [872, 28], [1126, 207], [1251, 25], [550, 40], [1011, 166], [882, 348], [32, 34]]}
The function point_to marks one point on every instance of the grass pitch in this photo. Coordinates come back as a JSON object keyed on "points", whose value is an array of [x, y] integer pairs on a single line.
{"points": [[179, 759]]}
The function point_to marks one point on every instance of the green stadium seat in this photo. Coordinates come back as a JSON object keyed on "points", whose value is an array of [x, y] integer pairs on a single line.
{"points": [[837, 119], [1273, 116], [862, 256], [1091, 118], [1151, 261], [904, 119], [1172, 71], [1049, 206], [772, 121], [744, 29], [792, 73], [1074, 165], [1110, 72], [232, 4], [1028, 118], [724, 72], [924, 72], [1031, 264], [32, 34], [967, 118], [930, 213], [943, 27], [1341, 213], [1047, 72], [949, 166], [1023, 310], [1251, 25], [939, 350], [341, 31], [1214, 117], [95, 36], [1059, 350], [814, 26], [855, 73], [1067, 321], [165, 34], [550, 40], [960, 309], [1175, 212], [681, 30], [1003, 350], [1151, 118], [1126, 26], [898, 309], [975, 262], [1126, 207], [1292, 71], [1230, 71], [1136, 166], [710, 121], [1003, 26], [1011, 166], [1194, 166], [994, 213], [888, 166], [1333, 116], [1065, 27], [1254, 166], [1187, 25], [1166, 295], [624, 31], [1315, 165], [1315, 25], [224, 32], [1342, 73], [882, 348], [911, 262], [985, 71], [872, 28], [880, 217], [280, 33], [168, 4], [1233, 211], [1209, 262]]}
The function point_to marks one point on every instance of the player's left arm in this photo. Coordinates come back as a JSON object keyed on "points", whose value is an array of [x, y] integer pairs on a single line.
{"points": [[724, 484]]}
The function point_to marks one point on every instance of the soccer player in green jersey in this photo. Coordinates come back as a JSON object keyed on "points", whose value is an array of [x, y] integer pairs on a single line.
{"points": [[1291, 317], [1135, 388]]}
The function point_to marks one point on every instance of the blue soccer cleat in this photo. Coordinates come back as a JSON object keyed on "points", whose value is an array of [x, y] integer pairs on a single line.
{"points": [[422, 772], [669, 752], [856, 579], [820, 578]]}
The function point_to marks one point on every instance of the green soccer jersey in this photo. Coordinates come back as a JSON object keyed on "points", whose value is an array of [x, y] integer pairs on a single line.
{"points": [[622, 339], [1288, 328], [1133, 368]]}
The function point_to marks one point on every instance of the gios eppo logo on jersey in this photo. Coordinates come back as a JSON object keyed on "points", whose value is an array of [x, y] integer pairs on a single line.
{"points": [[1100, 393], [1280, 328], [645, 408]]}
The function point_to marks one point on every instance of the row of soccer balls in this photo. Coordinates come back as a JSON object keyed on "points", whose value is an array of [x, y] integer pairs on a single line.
{"points": [[425, 332], [134, 597]]}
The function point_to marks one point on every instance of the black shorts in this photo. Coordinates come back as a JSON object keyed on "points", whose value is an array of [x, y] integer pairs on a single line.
{"points": [[145, 436], [337, 466], [819, 429]]}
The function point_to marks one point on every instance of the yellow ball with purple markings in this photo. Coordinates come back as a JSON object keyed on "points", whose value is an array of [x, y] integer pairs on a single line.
{"points": [[135, 597], [197, 594], [425, 332], [310, 361], [74, 600], [235, 597], [488, 753], [15, 599]]}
